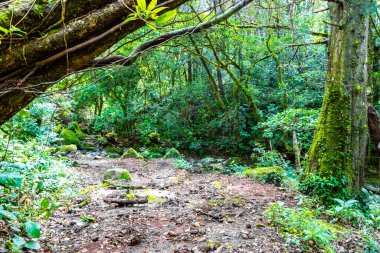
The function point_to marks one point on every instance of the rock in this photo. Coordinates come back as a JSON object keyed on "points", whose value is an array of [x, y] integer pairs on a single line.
{"points": [[74, 126], [69, 137], [154, 138], [272, 175], [244, 236], [193, 231], [171, 234], [205, 248], [131, 153], [117, 174], [173, 153], [111, 137], [134, 241], [65, 149]]}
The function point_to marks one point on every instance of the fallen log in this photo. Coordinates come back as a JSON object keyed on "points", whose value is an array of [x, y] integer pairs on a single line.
{"points": [[125, 202]]}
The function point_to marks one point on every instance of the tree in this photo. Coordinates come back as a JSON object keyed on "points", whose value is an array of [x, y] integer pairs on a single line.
{"points": [[339, 147], [42, 41]]}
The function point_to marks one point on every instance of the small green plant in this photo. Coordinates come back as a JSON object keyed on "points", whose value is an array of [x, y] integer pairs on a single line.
{"points": [[182, 164], [150, 14], [301, 226], [86, 218]]}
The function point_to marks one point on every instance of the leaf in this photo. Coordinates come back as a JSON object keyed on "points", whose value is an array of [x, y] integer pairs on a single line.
{"points": [[33, 229], [19, 241], [166, 16], [32, 245], [152, 5], [341, 202], [151, 26], [9, 179], [157, 10], [7, 214], [142, 5], [131, 18], [350, 202], [45, 203], [4, 30]]}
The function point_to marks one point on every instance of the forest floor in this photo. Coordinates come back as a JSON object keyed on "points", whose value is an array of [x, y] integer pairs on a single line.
{"points": [[185, 213]]}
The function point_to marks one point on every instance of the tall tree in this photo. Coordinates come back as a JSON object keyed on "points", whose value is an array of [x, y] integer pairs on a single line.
{"points": [[339, 145]]}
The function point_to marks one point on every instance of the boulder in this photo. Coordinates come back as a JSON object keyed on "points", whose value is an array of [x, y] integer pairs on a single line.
{"points": [[69, 137], [65, 149], [117, 174], [272, 175], [74, 126], [173, 153], [131, 153]]}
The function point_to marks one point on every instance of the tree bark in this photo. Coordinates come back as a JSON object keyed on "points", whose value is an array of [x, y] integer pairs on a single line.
{"points": [[34, 64], [339, 145]]}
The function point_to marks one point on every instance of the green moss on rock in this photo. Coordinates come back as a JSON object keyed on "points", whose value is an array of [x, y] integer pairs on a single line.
{"points": [[271, 175], [58, 129], [65, 149], [173, 153], [74, 126], [131, 153], [117, 174], [69, 137]]}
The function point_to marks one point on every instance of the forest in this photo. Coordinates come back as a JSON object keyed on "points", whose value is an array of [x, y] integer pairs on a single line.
{"points": [[190, 126]]}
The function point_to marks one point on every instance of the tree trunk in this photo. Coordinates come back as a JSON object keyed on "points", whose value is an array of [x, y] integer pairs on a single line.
{"points": [[339, 145]]}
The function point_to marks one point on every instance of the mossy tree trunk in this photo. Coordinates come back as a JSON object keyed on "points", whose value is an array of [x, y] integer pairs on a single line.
{"points": [[339, 145]]}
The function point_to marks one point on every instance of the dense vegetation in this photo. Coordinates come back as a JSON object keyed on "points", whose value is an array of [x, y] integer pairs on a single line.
{"points": [[242, 96]]}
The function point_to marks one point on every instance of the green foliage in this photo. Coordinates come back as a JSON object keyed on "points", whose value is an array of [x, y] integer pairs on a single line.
{"points": [[150, 14], [31, 180], [301, 226], [324, 188]]}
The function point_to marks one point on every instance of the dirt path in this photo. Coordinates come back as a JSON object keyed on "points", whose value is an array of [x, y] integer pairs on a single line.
{"points": [[186, 213]]}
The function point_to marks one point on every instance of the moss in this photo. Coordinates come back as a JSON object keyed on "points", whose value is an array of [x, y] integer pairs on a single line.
{"points": [[69, 137], [74, 126], [131, 153], [271, 175], [329, 152], [117, 174], [65, 149], [58, 128], [111, 137], [113, 149], [173, 153]]}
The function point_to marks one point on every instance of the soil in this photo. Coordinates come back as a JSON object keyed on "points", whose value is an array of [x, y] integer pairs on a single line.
{"points": [[185, 213]]}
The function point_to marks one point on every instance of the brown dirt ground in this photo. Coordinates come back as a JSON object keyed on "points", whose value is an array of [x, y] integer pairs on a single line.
{"points": [[186, 213]]}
